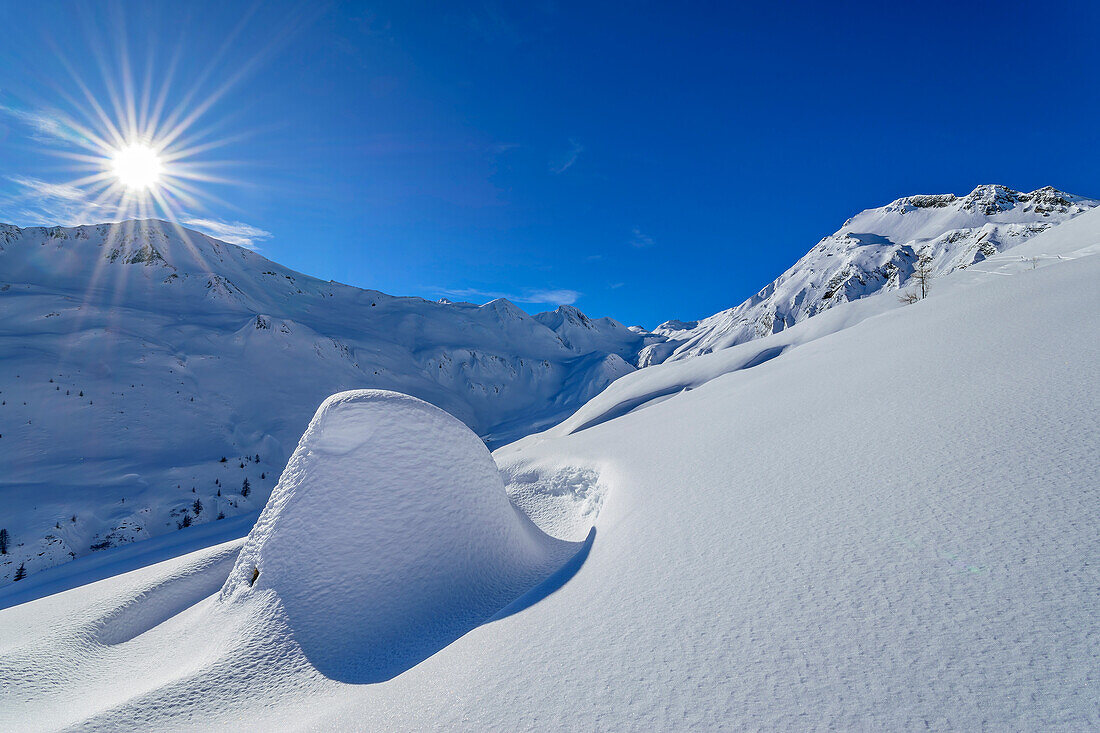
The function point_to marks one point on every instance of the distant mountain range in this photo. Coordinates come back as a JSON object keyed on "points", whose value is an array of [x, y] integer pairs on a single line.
{"points": [[148, 370]]}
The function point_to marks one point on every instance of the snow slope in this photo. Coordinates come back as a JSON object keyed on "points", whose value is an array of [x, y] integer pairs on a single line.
{"points": [[137, 356], [888, 523], [876, 251]]}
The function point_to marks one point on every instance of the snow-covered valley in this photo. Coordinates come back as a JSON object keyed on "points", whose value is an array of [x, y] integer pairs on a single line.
{"points": [[149, 371], [854, 513]]}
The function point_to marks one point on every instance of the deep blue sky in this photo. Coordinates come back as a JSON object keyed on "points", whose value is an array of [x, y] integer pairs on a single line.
{"points": [[658, 160]]}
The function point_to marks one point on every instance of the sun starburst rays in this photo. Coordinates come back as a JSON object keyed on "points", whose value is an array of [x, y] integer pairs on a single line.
{"points": [[137, 160], [133, 153]]}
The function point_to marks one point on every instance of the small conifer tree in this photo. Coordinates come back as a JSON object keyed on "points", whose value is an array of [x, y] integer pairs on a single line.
{"points": [[245, 488], [20, 573], [4, 539], [922, 274]]}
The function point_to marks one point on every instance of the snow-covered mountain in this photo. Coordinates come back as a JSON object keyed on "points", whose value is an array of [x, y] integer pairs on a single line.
{"points": [[880, 518], [876, 250], [137, 356]]}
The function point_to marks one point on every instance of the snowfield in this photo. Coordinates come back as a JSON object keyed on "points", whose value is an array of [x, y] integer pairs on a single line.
{"points": [[882, 517]]}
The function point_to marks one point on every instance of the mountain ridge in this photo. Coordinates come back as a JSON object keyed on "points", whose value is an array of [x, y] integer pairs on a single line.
{"points": [[876, 250]]}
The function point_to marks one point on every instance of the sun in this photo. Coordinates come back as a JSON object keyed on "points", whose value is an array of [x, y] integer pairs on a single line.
{"points": [[135, 154], [137, 166]]}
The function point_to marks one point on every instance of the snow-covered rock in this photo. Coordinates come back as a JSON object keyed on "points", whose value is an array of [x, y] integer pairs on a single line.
{"points": [[388, 536]]}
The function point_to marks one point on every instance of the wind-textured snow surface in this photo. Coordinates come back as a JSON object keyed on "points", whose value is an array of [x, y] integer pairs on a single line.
{"points": [[876, 251], [136, 356], [881, 518]]}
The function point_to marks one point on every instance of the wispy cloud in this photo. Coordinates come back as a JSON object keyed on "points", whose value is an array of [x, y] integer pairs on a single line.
{"points": [[554, 297], [616, 286], [38, 202], [45, 127], [543, 297], [234, 232], [38, 188], [640, 239], [566, 161]]}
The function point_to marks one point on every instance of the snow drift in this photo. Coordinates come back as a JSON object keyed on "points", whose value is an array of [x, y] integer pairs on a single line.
{"points": [[388, 536]]}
